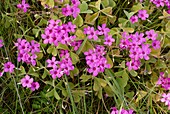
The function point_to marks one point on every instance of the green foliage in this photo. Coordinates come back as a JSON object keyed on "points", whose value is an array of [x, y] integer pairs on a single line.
{"points": [[80, 92]]}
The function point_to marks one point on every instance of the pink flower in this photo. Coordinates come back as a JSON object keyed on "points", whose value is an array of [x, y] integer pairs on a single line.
{"points": [[168, 11], [75, 2], [121, 111], [156, 44], [76, 44], [35, 47], [53, 23], [143, 14], [134, 19], [163, 81], [9, 67], [1, 43], [52, 63], [135, 53], [103, 30], [145, 52], [1, 73], [159, 3], [34, 86], [26, 81], [24, 6], [67, 10], [96, 61], [135, 65], [151, 34], [166, 99], [91, 33], [109, 40]]}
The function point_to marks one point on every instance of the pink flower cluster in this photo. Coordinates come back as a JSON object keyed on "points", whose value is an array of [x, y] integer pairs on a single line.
{"points": [[122, 111], [76, 44], [59, 68], [29, 83], [72, 10], [160, 3], [137, 46], [55, 33], [8, 67], [102, 30], [166, 99], [23, 6], [27, 51], [96, 61], [164, 81], [142, 14], [1, 43]]}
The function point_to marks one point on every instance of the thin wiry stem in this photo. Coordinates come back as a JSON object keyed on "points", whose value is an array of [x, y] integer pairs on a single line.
{"points": [[14, 81]]}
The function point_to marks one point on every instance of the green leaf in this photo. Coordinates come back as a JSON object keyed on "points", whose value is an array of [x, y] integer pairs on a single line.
{"points": [[29, 38], [82, 46], [97, 4], [54, 51], [18, 36], [105, 3], [76, 98], [152, 60], [23, 72], [120, 73], [80, 35], [137, 7], [32, 72], [148, 69], [36, 32], [45, 73], [75, 57], [39, 55], [107, 11], [161, 64], [130, 94], [62, 46], [64, 92], [112, 3], [130, 30], [108, 91], [74, 72], [78, 21], [56, 95], [51, 3], [90, 19], [141, 94], [83, 6], [96, 86], [133, 72], [125, 76], [123, 81], [50, 94], [99, 93], [102, 82], [154, 78], [36, 106], [85, 78], [87, 11], [128, 14], [156, 52], [112, 19], [109, 61], [42, 22], [87, 46], [50, 49]]}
